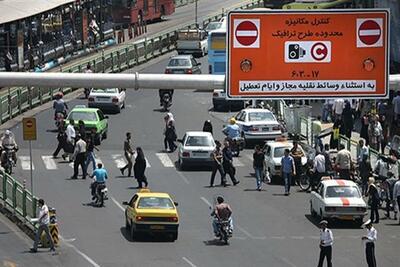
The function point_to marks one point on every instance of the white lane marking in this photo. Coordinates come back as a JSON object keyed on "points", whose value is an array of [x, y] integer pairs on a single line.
{"points": [[241, 229], [297, 237], [236, 162], [119, 160], [25, 163], [188, 262], [183, 177], [117, 203], [278, 237], [86, 257], [49, 163], [165, 160], [206, 201], [249, 156], [288, 262]]}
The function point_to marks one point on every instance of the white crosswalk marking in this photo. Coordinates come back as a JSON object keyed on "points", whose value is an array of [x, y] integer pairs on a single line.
{"points": [[25, 163], [236, 162], [165, 160], [49, 163], [119, 160]]}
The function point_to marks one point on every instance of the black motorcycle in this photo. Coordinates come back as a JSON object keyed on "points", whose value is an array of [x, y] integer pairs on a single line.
{"points": [[8, 161], [224, 231], [101, 194]]}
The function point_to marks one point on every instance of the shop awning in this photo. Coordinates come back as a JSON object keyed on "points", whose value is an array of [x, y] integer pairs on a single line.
{"points": [[11, 10]]}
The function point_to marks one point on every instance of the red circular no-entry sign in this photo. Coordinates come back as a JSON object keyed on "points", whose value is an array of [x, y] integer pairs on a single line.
{"points": [[246, 33], [29, 124], [369, 32]]}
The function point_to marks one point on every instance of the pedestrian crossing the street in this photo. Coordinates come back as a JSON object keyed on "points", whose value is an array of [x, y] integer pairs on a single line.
{"points": [[166, 160]]}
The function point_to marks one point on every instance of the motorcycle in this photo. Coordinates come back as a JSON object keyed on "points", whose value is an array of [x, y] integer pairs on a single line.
{"points": [[101, 194], [8, 162], [224, 230], [236, 144], [166, 101]]}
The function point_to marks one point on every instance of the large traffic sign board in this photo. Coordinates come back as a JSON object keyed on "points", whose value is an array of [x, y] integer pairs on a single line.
{"points": [[307, 54], [29, 128]]}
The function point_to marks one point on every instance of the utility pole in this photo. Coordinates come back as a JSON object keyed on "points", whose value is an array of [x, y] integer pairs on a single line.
{"points": [[195, 14]]}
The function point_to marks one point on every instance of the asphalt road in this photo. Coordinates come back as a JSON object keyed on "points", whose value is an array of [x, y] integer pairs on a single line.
{"points": [[270, 229]]}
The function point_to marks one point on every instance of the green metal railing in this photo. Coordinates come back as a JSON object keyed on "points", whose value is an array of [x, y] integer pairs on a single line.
{"points": [[17, 199], [21, 99]]}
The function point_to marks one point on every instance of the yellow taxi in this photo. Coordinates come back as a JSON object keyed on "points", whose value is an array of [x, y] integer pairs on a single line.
{"points": [[151, 212]]}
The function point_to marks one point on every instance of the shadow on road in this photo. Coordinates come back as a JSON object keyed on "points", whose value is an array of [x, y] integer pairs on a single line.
{"points": [[145, 238], [214, 242], [333, 224]]}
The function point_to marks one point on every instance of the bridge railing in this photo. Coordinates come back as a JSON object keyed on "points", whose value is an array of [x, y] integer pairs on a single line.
{"points": [[17, 199]]}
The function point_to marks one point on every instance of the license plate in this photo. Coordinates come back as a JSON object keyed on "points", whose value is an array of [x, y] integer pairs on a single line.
{"points": [[157, 227], [199, 154], [346, 217], [265, 129], [179, 71], [103, 98]]}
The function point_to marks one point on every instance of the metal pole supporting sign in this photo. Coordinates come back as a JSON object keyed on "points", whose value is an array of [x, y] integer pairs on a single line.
{"points": [[29, 134]]}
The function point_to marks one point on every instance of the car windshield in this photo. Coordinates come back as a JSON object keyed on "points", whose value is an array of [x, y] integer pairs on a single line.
{"points": [[279, 151], [84, 116], [213, 25], [198, 141], [179, 62], [261, 116], [342, 191], [155, 203], [106, 90]]}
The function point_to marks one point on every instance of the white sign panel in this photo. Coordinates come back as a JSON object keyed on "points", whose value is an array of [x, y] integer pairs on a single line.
{"points": [[308, 51]]}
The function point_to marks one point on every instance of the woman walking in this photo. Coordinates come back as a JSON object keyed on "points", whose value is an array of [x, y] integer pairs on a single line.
{"points": [[170, 137], [140, 167]]}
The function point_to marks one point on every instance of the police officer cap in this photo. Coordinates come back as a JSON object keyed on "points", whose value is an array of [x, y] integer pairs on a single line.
{"points": [[323, 222], [367, 223]]}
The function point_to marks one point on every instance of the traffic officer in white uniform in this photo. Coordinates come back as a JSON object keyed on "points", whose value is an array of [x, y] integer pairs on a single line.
{"points": [[370, 239], [325, 244]]}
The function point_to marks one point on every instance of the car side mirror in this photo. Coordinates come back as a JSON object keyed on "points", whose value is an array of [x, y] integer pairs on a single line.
{"points": [[179, 140], [198, 63], [125, 203], [106, 117], [176, 203]]}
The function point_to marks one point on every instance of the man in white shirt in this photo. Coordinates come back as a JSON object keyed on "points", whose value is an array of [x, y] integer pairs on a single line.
{"points": [[338, 107], [396, 194], [71, 134], [43, 221], [318, 169], [79, 157], [370, 239], [325, 244]]}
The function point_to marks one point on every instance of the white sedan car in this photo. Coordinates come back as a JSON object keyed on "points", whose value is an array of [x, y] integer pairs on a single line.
{"points": [[258, 124], [338, 199], [274, 151], [196, 149], [107, 99]]}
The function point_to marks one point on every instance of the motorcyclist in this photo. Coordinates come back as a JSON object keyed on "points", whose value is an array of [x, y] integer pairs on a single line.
{"points": [[162, 92], [8, 142], [232, 130], [221, 212], [59, 105], [99, 177]]}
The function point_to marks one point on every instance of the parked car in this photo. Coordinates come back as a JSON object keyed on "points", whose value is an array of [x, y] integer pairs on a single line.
{"points": [[151, 212], [196, 148], [93, 118], [258, 125], [220, 102], [338, 199], [107, 99], [183, 64], [192, 41]]}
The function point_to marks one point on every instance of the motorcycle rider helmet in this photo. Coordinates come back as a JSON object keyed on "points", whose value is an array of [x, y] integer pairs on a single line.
{"points": [[7, 133], [232, 121]]}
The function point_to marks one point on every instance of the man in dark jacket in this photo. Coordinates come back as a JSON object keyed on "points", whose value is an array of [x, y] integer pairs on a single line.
{"points": [[227, 162]]}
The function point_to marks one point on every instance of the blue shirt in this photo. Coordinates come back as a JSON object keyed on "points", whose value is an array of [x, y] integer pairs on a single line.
{"points": [[287, 164], [101, 175], [232, 130]]}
